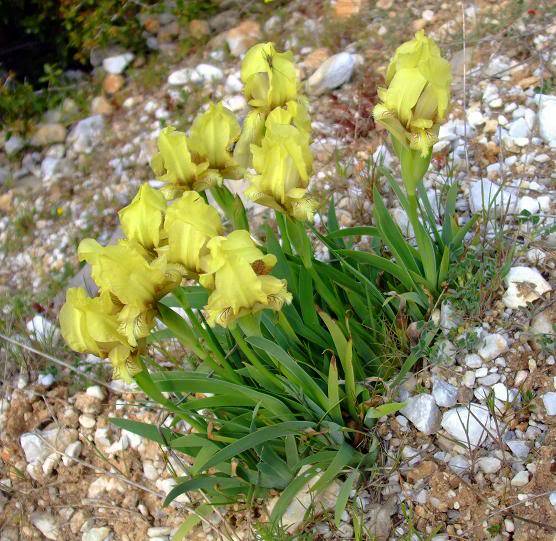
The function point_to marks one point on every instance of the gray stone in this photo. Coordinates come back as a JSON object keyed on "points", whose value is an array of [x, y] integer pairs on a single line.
{"points": [[97, 534], [519, 128], [485, 195], [48, 134], [489, 464], [332, 73], [469, 425], [378, 519], [519, 448], [472, 360], [493, 346], [207, 73], [86, 134], [46, 524], [14, 144], [181, 77], [549, 400], [444, 393], [459, 464], [423, 412], [49, 168], [117, 64], [547, 118], [34, 448], [520, 479], [449, 319], [525, 285]]}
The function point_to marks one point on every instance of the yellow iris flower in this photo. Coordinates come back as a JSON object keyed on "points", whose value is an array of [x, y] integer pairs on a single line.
{"points": [[269, 77], [416, 99], [189, 224], [237, 274], [173, 164], [91, 325], [283, 162], [141, 220], [212, 138], [125, 272]]}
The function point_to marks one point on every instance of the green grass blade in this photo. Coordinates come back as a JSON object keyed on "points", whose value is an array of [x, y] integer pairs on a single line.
{"points": [[343, 496], [292, 369], [392, 235], [358, 231], [292, 453], [382, 263], [162, 436], [253, 439], [204, 482], [290, 492], [334, 392], [203, 511], [340, 461], [345, 352], [187, 382]]}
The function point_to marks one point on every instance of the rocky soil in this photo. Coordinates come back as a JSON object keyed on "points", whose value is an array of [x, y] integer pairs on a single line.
{"points": [[473, 453]]}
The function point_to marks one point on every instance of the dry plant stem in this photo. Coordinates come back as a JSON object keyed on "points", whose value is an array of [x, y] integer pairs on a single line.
{"points": [[56, 361]]}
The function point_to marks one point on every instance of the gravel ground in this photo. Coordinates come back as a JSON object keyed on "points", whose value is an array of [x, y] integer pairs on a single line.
{"points": [[472, 456]]}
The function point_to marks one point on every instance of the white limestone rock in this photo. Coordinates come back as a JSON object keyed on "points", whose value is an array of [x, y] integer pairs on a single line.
{"points": [[444, 393], [493, 345], [470, 425], [524, 285], [423, 412], [117, 64], [332, 73]]}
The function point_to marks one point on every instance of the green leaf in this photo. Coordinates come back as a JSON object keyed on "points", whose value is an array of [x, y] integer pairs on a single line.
{"points": [[306, 299], [282, 268], [359, 231], [343, 497], [300, 241], [383, 409], [382, 263], [204, 482], [191, 441], [256, 438], [339, 462], [444, 267], [180, 329], [203, 511], [194, 296], [152, 390], [290, 492], [158, 434], [345, 352], [392, 236], [334, 392], [292, 454], [188, 382], [292, 369]]}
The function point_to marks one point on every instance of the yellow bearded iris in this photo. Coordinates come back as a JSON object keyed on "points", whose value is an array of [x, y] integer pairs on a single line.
{"points": [[91, 325], [237, 274], [173, 164], [269, 77], [416, 99], [124, 271], [212, 138], [142, 219], [283, 163], [189, 224]]}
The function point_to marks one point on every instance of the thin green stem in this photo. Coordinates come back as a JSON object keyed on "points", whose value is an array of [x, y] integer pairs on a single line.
{"points": [[281, 222], [222, 361]]}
